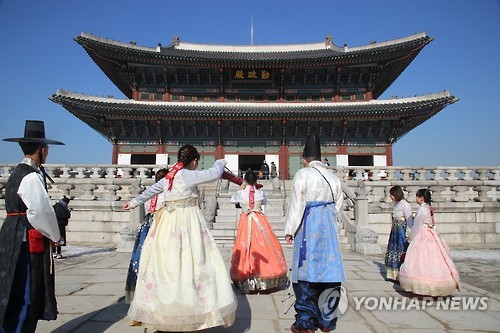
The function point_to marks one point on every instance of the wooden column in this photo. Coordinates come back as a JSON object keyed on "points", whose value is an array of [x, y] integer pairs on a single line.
{"points": [[283, 171], [368, 96], [114, 154], [219, 150], [388, 154]]}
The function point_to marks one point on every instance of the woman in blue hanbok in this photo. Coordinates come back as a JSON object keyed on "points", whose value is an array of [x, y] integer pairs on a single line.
{"points": [[401, 219], [151, 206]]}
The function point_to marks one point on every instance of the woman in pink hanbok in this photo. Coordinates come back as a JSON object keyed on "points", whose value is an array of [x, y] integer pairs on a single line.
{"points": [[428, 268]]}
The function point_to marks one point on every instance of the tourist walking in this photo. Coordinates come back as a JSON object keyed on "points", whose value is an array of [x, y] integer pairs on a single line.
{"points": [[27, 286], [428, 268], [401, 219], [258, 262], [63, 214], [265, 170], [183, 283], [152, 207], [312, 226], [274, 173]]}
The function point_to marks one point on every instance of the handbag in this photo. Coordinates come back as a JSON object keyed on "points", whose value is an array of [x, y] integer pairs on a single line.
{"points": [[36, 241]]}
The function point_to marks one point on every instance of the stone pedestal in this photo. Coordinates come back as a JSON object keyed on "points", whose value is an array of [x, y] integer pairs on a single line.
{"points": [[129, 233], [366, 241]]}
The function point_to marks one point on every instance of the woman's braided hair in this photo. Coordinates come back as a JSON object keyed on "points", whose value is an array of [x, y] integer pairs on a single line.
{"points": [[187, 154], [251, 177]]}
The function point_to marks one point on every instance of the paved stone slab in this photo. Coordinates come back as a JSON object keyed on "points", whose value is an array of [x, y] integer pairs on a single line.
{"points": [[90, 289]]}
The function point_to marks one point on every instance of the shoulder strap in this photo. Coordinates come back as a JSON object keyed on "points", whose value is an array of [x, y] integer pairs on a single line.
{"points": [[331, 190]]}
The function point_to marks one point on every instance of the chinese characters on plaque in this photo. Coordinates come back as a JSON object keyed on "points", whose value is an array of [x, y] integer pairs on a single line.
{"points": [[251, 74]]}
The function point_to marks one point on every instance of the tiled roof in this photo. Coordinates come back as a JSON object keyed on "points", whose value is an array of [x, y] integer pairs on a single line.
{"points": [[272, 54], [130, 108], [374, 122]]}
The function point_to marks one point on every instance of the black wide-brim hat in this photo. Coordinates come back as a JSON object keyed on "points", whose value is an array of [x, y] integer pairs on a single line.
{"points": [[34, 131]]}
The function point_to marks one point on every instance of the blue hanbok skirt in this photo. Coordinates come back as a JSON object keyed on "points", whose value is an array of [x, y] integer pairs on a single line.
{"points": [[317, 256], [133, 267], [395, 249]]}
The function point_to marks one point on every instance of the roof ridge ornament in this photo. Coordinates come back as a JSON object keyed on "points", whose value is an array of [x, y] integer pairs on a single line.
{"points": [[176, 41], [328, 41]]}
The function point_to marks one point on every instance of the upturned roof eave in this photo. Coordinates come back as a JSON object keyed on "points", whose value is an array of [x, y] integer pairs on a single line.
{"points": [[271, 55], [121, 108]]}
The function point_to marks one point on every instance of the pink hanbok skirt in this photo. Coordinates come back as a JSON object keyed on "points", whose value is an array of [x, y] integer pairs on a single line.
{"points": [[428, 268]]}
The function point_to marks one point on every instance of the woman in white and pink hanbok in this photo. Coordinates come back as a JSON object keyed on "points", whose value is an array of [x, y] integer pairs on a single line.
{"points": [[428, 268], [183, 283]]}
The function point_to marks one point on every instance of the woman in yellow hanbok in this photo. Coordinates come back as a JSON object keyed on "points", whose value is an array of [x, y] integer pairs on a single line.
{"points": [[183, 283]]}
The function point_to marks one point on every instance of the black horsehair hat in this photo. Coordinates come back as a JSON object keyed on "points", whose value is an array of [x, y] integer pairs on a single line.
{"points": [[34, 131], [312, 148]]}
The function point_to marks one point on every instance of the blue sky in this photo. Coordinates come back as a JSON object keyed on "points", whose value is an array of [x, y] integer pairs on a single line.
{"points": [[38, 56]]}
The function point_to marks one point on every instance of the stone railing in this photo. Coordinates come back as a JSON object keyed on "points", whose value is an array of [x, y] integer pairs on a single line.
{"points": [[466, 199], [98, 193]]}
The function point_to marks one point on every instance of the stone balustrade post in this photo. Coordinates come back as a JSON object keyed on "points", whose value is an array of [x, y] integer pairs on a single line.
{"points": [[2, 186], [127, 173], [378, 194], [276, 185], [51, 171], [365, 239], [112, 189], [358, 174], [412, 192], [496, 174], [342, 172], [65, 189], [437, 174], [224, 185], [143, 173], [452, 174], [80, 172], [482, 174], [391, 174], [135, 190], [460, 193], [6, 171], [482, 193], [88, 192], [467, 174], [96, 173], [375, 174], [437, 193], [420, 174], [136, 216], [407, 174], [65, 173], [110, 172], [361, 206]]}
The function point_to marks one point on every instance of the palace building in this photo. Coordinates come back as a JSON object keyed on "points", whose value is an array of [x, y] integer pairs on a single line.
{"points": [[253, 103]]}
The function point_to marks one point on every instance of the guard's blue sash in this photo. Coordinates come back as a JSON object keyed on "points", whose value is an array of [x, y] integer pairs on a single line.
{"points": [[303, 247]]}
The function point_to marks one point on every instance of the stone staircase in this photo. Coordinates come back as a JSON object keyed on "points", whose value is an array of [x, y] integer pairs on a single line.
{"points": [[226, 219]]}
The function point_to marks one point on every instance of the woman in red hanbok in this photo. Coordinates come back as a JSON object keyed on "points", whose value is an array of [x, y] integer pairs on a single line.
{"points": [[428, 268], [258, 262]]}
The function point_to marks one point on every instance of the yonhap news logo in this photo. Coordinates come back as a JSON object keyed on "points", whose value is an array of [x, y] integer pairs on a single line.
{"points": [[332, 302], [451, 303]]}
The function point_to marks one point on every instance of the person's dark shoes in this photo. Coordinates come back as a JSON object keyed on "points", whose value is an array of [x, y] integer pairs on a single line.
{"points": [[296, 330]]}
